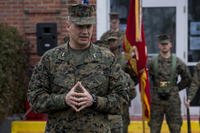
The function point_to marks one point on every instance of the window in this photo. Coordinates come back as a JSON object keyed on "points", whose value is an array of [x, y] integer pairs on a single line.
{"points": [[159, 20], [193, 30], [121, 7]]}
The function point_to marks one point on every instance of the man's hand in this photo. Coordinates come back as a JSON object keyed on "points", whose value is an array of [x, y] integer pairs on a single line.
{"points": [[71, 98], [78, 100], [85, 99], [187, 103]]}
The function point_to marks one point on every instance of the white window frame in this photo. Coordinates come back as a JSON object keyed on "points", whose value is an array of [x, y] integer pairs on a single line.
{"points": [[181, 23], [102, 12]]}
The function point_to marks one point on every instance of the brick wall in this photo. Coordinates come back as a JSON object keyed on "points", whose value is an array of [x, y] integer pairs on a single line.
{"points": [[25, 14]]}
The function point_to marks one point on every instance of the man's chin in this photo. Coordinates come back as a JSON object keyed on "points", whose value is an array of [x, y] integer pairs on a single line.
{"points": [[83, 43]]}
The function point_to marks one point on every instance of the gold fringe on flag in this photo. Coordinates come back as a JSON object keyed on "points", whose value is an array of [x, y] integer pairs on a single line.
{"points": [[138, 16]]}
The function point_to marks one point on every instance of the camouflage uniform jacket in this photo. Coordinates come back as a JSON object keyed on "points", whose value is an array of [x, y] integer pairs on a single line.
{"points": [[195, 85], [164, 73], [57, 73]]}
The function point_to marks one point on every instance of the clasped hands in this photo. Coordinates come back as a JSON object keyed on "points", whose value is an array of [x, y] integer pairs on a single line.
{"points": [[78, 97]]}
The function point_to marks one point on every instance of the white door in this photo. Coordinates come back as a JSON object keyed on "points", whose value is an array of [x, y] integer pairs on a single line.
{"points": [[159, 16], [170, 17], [165, 16]]}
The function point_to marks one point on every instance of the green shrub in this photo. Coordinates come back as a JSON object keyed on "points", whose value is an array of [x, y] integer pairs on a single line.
{"points": [[13, 66]]}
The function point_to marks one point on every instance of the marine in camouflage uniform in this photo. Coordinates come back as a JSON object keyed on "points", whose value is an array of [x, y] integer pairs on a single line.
{"points": [[165, 100], [100, 43], [116, 120], [195, 85], [114, 28], [78, 84], [106, 35]]}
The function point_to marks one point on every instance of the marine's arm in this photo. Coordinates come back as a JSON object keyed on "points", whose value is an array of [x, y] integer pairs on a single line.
{"points": [[119, 91], [183, 71], [195, 84], [39, 92]]}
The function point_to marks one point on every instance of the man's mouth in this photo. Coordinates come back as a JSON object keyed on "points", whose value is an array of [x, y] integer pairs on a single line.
{"points": [[83, 37]]}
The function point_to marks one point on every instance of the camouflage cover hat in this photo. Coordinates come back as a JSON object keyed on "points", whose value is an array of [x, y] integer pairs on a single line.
{"points": [[164, 39], [112, 37], [82, 14], [114, 15]]}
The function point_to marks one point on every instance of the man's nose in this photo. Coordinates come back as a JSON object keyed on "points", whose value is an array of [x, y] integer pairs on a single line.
{"points": [[85, 29]]}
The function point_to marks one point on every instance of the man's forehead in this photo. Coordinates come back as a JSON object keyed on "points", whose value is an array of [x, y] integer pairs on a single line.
{"points": [[164, 43], [114, 21]]}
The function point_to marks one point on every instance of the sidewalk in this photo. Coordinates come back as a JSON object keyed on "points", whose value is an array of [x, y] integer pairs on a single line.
{"points": [[134, 127], [137, 127]]}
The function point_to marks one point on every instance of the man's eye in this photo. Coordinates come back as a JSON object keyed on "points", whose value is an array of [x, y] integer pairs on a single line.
{"points": [[84, 26]]}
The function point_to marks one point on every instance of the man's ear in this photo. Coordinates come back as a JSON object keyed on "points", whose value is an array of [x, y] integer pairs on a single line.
{"points": [[159, 45], [67, 25], [170, 45]]}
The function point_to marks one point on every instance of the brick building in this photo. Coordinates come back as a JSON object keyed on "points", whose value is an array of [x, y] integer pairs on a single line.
{"points": [[42, 24], [29, 16]]}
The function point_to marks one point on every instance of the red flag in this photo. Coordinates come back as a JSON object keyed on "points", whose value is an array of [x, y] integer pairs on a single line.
{"points": [[136, 53]]}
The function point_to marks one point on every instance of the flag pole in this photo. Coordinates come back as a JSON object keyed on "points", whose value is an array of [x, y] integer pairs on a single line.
{"points": [[143, 113], [136, 54], [143, 119], [188, 114], [138, 10]]}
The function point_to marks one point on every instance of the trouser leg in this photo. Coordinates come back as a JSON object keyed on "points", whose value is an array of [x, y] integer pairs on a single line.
{"points": [[157, 114], [173, 118]]}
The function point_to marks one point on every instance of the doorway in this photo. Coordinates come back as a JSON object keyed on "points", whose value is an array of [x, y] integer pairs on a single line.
{"points": [[162, 16]]}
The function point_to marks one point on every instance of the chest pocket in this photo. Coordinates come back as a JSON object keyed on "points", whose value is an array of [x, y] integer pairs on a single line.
{"points": [[95, 77], [62, 84]]}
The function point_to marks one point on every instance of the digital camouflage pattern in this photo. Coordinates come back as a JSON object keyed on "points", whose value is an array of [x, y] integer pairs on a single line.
{"points": [[116, 123], [172, 106], [125, 109], [82, 14], [195, 85], [125, 116], [100, 43], [57, 72], [119, 123], [106, 35]]}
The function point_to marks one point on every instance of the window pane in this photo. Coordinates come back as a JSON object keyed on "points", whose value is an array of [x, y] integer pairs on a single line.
{"points": [[122, 7], [193, 30], [159, 20]]}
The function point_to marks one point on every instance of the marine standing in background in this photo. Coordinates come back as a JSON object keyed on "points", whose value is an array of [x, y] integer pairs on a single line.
{"points": [[114, 28], [79, 83], [164, 70], [195, 84], [115, 47], [116, 120]]}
